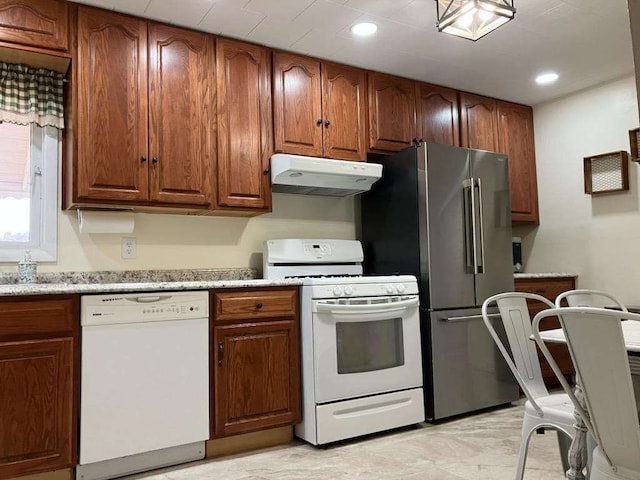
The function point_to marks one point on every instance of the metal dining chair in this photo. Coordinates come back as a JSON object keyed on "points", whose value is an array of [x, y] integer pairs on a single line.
{"points": [[589, 298], [542, 410], [609, 410]]}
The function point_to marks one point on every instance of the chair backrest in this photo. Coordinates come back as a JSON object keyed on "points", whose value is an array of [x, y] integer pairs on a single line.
{"points": [[589, 298], [522, 358], [596, 343]]}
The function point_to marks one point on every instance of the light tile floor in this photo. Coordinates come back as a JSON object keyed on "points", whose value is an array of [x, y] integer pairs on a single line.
{"points": [[478, 447]]}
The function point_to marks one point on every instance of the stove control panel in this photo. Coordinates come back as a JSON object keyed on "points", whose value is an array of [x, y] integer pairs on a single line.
{"points": [[364, 290]]}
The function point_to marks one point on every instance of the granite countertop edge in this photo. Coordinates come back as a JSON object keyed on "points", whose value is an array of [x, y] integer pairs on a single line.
{"points": [[96, 288], [544, 275]]}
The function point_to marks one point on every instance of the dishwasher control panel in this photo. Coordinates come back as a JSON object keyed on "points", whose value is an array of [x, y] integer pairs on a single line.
{"points": [[143, 307]]}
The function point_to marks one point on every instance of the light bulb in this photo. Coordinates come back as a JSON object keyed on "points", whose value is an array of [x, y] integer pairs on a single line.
{"points": [[546, 78], [466, 20], [364, 29]]}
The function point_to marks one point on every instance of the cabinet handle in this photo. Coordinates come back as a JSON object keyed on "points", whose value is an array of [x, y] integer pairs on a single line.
{"points": [[220, 354], [259, 305], [327, 123], [319, 121], [143, 159], [415, 140], [154, 160]]}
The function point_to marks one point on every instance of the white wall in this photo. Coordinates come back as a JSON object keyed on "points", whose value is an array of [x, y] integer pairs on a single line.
{"points": [[186, 241], [597, 237]]}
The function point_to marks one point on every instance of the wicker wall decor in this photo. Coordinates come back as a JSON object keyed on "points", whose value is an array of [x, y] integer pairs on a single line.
{"points": [[607, 172], [634, 144]]}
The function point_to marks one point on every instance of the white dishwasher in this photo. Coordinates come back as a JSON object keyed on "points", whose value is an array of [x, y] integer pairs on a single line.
{"points": [[144, 399]]}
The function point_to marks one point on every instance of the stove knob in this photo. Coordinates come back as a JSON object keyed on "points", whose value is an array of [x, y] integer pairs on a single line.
{"points": [[348, 290], [390, 289], [337, 291], [401, 288]]}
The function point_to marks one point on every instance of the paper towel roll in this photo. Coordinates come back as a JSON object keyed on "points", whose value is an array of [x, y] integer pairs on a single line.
{"points": [[105, 221]]}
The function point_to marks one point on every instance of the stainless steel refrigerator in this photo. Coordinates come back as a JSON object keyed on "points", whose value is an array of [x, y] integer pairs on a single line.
{"points": [[442, 214]]}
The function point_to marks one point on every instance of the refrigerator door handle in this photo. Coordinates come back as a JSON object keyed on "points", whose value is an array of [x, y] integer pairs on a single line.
{"points": [[480, 263], [469, 234], [474, 233]]}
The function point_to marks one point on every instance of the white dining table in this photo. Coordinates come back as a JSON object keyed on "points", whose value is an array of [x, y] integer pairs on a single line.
{"points": [[578, 450]]}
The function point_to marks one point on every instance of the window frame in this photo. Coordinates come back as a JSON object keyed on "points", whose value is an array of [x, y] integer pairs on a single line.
{"points": [[43, 224]]}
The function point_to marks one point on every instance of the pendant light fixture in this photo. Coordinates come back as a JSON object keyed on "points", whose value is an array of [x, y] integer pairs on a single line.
{"points": [[473, 19]]}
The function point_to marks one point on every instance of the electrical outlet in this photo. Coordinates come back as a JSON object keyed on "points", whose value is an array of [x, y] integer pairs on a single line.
{"points": [[128, 247]]}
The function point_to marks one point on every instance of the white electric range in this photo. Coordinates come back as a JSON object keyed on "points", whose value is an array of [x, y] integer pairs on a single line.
{"points": [[360, 340]]}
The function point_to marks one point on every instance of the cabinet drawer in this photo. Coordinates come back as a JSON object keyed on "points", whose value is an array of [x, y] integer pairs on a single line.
{"points": [[37, 23], [549, 288], [255, 304], [37, 316]]}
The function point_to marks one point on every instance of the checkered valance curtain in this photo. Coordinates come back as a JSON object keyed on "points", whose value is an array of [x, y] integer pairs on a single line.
{"points": [[31, 95]]}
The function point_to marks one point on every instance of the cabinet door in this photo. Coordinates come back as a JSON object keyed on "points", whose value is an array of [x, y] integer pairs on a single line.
{"points": [[245, 128], [37, 23], [298, 121], [256, 376], [181, 110], [112, 106], [392, 112], [437, 114], [344, 104], [479, 127], [515, 136], [36, 406]]}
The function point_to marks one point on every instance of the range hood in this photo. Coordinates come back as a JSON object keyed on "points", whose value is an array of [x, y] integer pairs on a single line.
{"points": [[321, 176]]}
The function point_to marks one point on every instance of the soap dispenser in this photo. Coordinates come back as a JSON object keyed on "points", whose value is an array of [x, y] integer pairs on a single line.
{"points": [[27, 269]]}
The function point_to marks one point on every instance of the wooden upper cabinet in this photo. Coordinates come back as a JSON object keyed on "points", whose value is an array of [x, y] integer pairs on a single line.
{"points": [[392, 112], [437, 114], [36, 23], [245, 128], [112, 106], [181, 110], [515, 135], [344, 105], [298, 121], [479, 122]]}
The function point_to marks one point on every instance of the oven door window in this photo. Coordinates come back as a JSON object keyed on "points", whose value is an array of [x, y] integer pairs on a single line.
{"points": [[369, 346]]}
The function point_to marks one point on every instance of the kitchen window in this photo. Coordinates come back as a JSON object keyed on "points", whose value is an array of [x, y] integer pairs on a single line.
{"points": [[28, 191], [30, 121]]}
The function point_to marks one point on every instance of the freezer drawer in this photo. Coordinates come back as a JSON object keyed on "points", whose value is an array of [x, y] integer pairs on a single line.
{"points": [[468, 371]]}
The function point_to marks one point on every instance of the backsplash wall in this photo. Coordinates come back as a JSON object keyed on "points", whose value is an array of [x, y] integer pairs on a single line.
{"points": [[188, 241], [596, 237]]}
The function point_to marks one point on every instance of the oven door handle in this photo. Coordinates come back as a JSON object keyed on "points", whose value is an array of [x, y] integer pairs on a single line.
{"points": [[369, 308]]}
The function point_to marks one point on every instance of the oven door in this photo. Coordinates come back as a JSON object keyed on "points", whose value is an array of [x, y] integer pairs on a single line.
{"points": [[364, 346]]}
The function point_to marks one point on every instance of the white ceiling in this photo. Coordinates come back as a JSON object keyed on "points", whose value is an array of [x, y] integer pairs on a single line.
{"points": [[586, 42]]}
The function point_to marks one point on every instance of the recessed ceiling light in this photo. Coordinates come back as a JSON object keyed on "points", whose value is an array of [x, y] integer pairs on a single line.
{"points": [[546, 78], [364, 29]]}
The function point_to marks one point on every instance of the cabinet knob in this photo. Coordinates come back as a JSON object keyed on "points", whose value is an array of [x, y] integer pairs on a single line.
{"points": [[143, 159], [154, 160], [266, 171], [259, 305], [327, 123], [319, 121]]}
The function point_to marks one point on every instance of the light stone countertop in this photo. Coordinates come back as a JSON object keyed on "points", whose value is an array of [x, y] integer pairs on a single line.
{"points": [[137, 281], [544, 275], [89, 288]]}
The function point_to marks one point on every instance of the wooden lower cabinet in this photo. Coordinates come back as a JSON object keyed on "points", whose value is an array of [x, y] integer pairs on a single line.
{"points": [[255, 360], [38, 379], [549, 288]]}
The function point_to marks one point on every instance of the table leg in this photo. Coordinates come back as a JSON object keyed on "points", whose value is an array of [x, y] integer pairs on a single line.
{"points": [[578, 450]]}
